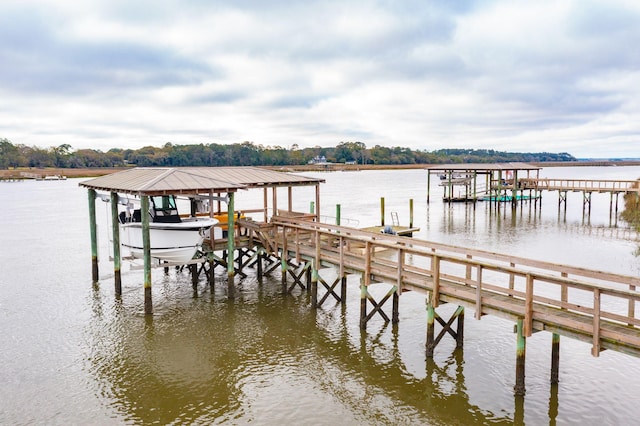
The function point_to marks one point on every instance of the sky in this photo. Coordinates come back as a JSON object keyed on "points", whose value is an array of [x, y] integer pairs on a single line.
{"points": [[517, 76]]}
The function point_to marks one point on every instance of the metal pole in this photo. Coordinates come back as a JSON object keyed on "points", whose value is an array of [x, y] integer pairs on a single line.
{"points": [[94, 235], [338, 214]]}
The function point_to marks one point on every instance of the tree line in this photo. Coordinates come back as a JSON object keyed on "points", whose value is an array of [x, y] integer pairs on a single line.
{"points": [[250, 154]]}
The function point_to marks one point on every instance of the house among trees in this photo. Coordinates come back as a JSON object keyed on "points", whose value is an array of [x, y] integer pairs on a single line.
{"points": [[318, 159]]}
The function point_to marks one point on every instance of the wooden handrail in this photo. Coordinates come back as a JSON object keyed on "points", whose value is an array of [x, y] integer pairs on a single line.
{"points": [[447, 271]]}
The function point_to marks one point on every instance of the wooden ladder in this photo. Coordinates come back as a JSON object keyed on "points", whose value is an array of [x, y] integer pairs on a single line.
{"points": [[394, 219]]}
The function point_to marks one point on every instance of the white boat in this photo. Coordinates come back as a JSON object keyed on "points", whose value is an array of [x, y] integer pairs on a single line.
{"points": [[172, 238]]}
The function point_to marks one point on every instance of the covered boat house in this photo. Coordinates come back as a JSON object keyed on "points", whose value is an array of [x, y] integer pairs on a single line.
{"points": [[203, 186], [485, 182]]}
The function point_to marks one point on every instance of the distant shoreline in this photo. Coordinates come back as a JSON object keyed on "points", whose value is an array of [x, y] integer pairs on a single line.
{"points": [[101, 171]]}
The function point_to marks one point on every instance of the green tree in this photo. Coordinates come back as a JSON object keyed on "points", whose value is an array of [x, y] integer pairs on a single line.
{"points": [[9, 154], [61, 154]]}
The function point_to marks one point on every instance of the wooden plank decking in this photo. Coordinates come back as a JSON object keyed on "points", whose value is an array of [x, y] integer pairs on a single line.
{"points": [[592, 306], [577, 185]]}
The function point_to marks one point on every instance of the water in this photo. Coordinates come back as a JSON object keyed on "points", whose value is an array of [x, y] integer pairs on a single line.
{"points": [[74, 354]]}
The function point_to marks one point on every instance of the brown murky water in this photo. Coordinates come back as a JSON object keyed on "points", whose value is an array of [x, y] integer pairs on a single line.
{"points": [[74, 354]]}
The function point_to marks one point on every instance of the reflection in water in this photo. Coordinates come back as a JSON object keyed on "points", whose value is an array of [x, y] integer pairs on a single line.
{"points": [[265, 358], [553, 404], [203, 358], [208, 359]]}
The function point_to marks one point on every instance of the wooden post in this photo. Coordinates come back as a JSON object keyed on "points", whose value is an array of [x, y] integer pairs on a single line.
{"points": [[528, 307], [146, 244], [94, 235], [435, 296], [259, 265], [521, 349], [338, 214], [460, 329], [475, 188], [512, 279], [317, 212], [395, 314], [381, 211], [194, 276], [400, 268], [411, 213], [231, 242], [274, 200], [315, 277], [428, 185], [212, 270], [284, 265], [364, 286], [514, 190], [266, 206], [363, 305], [595, 350], [315, 273], [610, 208], [555, 358], [564, 292], [632, 304], [479, 293], [431, 316], [343, 276], [116, 244]]}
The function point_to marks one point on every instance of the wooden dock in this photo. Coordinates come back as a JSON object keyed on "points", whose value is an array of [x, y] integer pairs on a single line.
{"points": [[547, 296], [516, 183], [588, 305]]}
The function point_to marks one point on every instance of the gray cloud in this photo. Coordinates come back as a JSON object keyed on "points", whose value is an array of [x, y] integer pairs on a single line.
{"points": [[476, 74]]}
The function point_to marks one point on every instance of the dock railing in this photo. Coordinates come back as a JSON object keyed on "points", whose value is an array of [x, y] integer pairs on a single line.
{"points": [[589, 305], [586, 185]]}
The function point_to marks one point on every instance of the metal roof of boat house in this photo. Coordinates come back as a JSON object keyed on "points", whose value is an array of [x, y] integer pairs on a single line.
{"points": [[483, 166], [189, 180]]}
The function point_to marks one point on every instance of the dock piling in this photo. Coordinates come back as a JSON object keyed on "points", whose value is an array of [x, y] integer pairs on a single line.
{"points": [[94, 235], [430, 344], [411, 213], [231, 241], [555, 358], [146, 244], [521, 349], [116, 244]]}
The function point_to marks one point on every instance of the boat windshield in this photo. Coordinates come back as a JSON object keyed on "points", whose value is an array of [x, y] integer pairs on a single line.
{"points": [[164, 209]]}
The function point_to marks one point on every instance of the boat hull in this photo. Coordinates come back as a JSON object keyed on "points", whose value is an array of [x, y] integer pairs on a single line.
{"points": [[170, 242]]}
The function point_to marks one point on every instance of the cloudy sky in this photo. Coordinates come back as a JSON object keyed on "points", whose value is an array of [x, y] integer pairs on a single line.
{"points": [[558, 76]]}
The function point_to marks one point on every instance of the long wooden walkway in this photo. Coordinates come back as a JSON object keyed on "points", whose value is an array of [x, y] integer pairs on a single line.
{"points": [[588, 305], [518, 182], [579, 185]]}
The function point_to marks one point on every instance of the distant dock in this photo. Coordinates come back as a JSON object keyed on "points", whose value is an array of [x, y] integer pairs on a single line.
{"points": [[519, 182]]}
